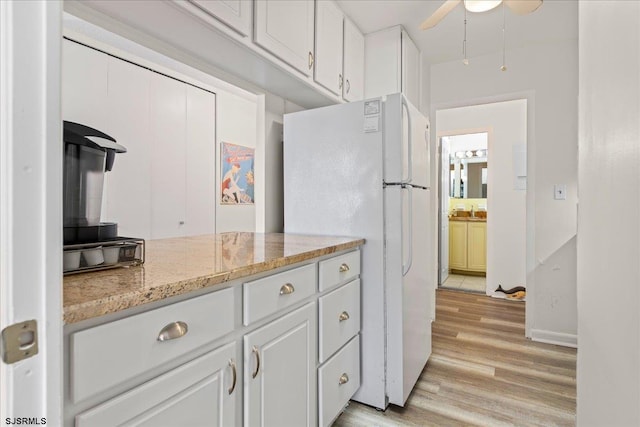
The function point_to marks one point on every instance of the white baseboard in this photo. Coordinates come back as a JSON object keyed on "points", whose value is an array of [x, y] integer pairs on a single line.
{"points": [[558, 338]]}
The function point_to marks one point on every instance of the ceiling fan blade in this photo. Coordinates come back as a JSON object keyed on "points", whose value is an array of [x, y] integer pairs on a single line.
{"points": [[440, 13], [523, 7]]}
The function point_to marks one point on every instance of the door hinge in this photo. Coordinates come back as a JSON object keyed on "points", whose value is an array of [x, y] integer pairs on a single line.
{"points": [[19, 341]]}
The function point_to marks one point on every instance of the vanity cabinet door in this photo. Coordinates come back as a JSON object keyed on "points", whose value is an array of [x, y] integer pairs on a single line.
{"points": [[458, 245], [477, 246], [280, 371], [203, 392]]}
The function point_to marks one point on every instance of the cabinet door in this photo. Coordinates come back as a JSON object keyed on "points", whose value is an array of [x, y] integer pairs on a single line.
{"points": [[128, 187], [457, 245], [477, 246], [280, 362], [353, 87], [285, 28], [329, 29], [203, 392], [383, 59], [410, 70], [200, 217], [168, 156], [234, 13]]}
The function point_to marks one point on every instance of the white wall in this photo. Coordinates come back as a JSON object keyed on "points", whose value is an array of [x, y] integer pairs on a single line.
{"points": [[236, 124], [545, 75], [608, 371], [506, 206]]}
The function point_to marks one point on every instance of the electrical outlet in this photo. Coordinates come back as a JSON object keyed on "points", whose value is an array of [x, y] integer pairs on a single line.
{"points": [[560, 192]]}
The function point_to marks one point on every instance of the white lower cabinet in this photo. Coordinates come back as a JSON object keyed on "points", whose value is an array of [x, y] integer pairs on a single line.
{"points": [[199, 393], [338, 380], [280, 377], [300, 361]]}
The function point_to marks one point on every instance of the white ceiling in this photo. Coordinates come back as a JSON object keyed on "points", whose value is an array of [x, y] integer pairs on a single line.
{"points": [[554, 20]]}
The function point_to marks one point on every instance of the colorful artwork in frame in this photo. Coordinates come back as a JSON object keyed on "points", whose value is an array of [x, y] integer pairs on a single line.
{"points": [[237, 186]]}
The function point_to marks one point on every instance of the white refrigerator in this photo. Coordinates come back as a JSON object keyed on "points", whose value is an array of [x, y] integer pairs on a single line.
{"points": [[362, 169]]}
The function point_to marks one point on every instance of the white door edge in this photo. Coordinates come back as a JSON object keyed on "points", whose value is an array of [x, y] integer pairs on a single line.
{"points": [[31, 204]]}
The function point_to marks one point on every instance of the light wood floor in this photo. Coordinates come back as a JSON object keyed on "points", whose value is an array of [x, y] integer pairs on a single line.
{"points": [[484, 372]]}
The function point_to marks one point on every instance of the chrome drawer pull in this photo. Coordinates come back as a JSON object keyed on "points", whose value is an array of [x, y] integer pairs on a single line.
{"points": [[310, 60], [287, 289], [235, 375], [172, 331], [344, 378], [344, 268], [257, 353], [343, 316]]}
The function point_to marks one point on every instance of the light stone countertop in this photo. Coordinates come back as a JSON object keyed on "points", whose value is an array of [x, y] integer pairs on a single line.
{"points": [[181, 265]]}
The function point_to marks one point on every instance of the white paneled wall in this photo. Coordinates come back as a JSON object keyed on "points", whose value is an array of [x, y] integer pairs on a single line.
{"points": [[164, 186]]}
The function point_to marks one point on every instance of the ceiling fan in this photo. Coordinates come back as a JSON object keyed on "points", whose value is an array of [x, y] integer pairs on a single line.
{"points": [[519, 7]]}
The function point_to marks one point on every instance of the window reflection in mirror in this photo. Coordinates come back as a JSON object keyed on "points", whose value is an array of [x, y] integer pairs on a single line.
{"points": [[468, 166]]}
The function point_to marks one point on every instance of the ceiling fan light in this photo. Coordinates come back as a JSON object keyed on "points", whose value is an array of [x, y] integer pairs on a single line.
{"points": [[481, 5]]}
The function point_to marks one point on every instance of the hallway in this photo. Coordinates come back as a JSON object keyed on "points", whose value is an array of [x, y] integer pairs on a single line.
{"points": [[483, 372]]}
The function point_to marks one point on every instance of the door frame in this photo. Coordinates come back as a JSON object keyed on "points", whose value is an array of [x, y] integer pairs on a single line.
{"points": [[31, 155], [530, 260]]}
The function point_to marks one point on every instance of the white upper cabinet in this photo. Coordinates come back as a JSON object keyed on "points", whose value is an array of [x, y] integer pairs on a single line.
{"points": [[392, 62], [353, 86], [235, 13], [286, 29], [329, 38], [410, 70]]}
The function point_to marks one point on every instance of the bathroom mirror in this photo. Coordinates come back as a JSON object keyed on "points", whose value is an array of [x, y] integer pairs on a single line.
{"points": [[468, 178], [468, 166]]}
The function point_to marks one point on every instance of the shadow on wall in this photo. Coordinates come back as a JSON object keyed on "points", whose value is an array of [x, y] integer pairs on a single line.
{"points": [[555, 278]]}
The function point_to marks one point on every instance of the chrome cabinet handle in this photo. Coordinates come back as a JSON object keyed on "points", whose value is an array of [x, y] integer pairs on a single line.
{"points": [[172, 331], [344, 268], [348, 86], [344, 378], [232, 364], [287, 289], [255, 351], [339, 81], [343, 316], [310, 60]]}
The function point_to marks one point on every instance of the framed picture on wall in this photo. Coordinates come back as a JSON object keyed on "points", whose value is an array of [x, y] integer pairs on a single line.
{"points": [[237, 183]]}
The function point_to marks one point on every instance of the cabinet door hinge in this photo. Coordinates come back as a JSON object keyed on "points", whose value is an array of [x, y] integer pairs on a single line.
{"points": [[19, 341]]}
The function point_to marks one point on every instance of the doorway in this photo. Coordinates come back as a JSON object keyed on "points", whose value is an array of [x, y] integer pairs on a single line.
{"points": [[504, 125], [463, 241]]}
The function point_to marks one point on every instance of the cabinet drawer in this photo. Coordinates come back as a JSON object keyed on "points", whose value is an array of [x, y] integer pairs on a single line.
{"points": [[266, 296], [339, 318], [339, 269], [109, 354], [196, 393], [338, 380]]}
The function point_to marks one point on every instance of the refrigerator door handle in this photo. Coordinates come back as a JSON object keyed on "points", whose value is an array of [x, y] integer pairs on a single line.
{"points": [[407, 266], [405, 104]]}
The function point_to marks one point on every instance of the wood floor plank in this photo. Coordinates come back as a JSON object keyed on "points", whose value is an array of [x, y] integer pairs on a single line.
{"points": [[483, 372]]}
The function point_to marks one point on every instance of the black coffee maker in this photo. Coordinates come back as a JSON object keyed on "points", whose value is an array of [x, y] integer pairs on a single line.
{"points": [[90, 244], [85, 163]]}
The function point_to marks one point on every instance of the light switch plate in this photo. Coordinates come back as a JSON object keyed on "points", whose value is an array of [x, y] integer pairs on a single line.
{"points": [[560, 192]]}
